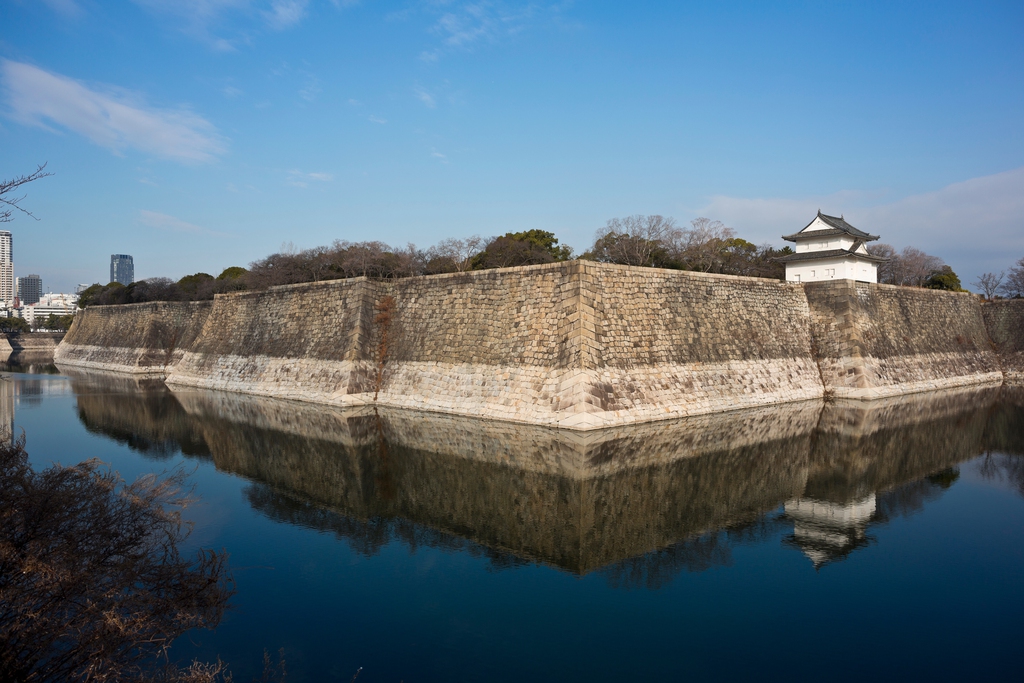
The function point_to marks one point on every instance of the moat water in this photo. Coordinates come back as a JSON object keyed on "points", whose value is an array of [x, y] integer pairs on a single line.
{"points": [[846, 541]]}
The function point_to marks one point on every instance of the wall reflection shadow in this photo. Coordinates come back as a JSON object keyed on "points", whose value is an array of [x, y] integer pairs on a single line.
{"points": [[638, 503]]}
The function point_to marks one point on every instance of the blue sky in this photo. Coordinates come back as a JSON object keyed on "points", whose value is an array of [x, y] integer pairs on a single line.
{"points": [[199, 134]]}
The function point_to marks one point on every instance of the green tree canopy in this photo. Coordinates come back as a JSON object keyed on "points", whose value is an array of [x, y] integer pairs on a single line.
{"points": [[944, 278], [14, 325], [232, 273], [525, 248]]}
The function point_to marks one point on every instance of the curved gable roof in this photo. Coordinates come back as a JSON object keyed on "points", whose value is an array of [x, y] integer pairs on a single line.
{"points": [[838, 226]]}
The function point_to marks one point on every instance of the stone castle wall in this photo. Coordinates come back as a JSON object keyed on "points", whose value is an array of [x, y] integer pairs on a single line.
{"points": [[578, 345], [881, 340], [1005, 322], [301, 342], [142, 339]]}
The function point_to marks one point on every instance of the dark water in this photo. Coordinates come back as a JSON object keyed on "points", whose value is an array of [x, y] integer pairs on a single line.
{"points": [[880, 541]]}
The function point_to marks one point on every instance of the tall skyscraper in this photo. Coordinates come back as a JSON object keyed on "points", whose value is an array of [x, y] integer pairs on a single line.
{"points": [[7, 267], [122, 269], [30, 289]]}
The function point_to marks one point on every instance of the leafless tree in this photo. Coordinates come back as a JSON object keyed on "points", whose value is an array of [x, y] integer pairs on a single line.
{"points": [[454, 255], [700, 247], [909, 268], [634, 240], [93, 586], [361, 259], [914, 267], [886, 269], [1014, 285], [8, 205], [989, 284]]}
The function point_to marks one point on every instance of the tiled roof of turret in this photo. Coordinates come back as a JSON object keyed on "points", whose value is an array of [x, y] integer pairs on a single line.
{"points": [[831, 253], [839, 226]]}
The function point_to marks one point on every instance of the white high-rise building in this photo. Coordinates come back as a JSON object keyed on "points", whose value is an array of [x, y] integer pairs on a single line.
{"points": [[7, 268]]}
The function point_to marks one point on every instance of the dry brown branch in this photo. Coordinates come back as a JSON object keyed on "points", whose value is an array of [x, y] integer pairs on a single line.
{"points": [[92, 583]]}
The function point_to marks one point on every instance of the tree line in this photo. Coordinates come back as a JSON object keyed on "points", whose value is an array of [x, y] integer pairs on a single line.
{"points": [[705, 245], [1009, 285]]}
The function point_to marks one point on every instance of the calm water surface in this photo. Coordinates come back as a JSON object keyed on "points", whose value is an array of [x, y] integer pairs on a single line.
{"points": [[847, 542]]}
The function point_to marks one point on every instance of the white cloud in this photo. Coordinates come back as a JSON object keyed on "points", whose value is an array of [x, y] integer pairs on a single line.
{"points": [[69, 9], [232, 92], [311, 88], [974, 225], [162, 221], [199, 17], [424, 97], [285, 13], [241, 20], [439, 156], [377, 119], [297, 178], [461, 26], [109, 117]]}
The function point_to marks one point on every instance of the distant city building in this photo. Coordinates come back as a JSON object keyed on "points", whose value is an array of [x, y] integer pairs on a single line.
{"points": [[30, 289], [81, 288], [59, 305], [7, 292], [829, 248], [122, 269]]}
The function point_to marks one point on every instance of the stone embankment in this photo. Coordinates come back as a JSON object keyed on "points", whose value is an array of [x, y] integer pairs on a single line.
{"points": [[577, 345], [141, 339], [881, 340], [1005, 323]]}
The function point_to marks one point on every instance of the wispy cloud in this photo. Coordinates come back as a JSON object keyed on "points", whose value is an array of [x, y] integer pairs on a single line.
{"points": [[461, 26], [437, 155], [424, 97], [110, 117], [232, 92], [161, 221], [297, 178], [310, 89], [69, 9], [201, 18], [377, 119], [285, 13], [224, 24], [974, 225]]}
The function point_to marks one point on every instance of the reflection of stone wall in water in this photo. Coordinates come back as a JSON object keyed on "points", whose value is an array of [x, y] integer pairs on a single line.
{"points": [[138, 412], [579, 345], [643, 501], [29, 348], [580, 501], [6, 408]]}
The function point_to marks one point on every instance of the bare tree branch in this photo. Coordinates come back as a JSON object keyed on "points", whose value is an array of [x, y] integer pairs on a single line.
{"points": [[9, 204]]}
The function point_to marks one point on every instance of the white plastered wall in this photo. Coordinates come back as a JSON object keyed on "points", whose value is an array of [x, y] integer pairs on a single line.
{"points": [[832, 269]]}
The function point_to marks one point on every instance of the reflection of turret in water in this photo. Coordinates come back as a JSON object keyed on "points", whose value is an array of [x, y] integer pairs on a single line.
{"points": [[865, 453], [641, 503], [827, 531]]}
